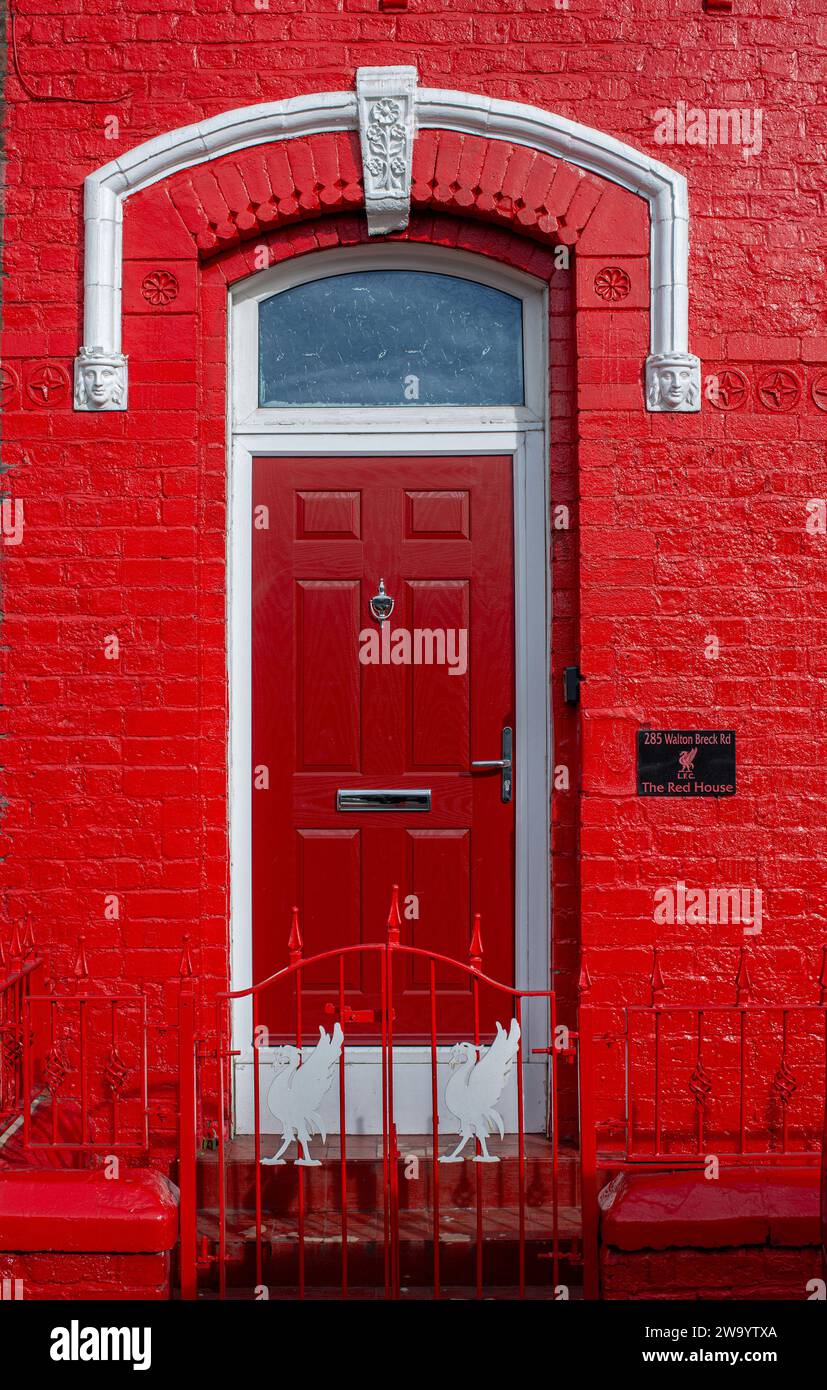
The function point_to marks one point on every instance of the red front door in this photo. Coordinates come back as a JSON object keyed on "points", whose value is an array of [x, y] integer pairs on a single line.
{"points": [[337, 708]]}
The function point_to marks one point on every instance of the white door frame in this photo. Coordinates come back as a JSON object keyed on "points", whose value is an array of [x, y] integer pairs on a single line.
{"points": [[414, 430]]}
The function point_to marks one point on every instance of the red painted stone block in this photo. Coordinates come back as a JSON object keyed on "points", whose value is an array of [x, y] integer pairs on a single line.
{"points": [[154, 227], [83, 1211], [164, 287], [656, 1211], [612, 282], [620, 221]]}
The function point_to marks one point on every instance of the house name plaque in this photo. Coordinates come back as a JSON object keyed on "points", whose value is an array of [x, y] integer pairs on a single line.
{"points": [[686, 762]]}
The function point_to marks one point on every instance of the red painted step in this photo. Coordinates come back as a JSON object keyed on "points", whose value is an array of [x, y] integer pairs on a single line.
{"points": [[323, 1238], [364, 1226]]}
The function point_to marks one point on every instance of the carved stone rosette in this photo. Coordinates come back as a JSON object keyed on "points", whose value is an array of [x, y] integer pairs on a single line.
{"points": [[386, 98], [673, 382], [100, 380]]}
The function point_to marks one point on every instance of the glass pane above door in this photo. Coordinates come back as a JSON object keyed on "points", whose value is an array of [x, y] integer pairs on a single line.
{"points": [[391, 338]]}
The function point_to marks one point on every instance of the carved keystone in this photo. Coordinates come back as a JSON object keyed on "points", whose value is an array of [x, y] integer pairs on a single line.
{"points": [[386, 99]]}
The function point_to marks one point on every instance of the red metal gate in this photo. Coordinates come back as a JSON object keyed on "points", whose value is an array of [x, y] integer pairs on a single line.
{"points": [[211, 1239]]}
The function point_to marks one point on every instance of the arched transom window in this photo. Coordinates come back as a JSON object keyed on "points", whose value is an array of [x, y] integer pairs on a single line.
{"points": [[390, 338]]}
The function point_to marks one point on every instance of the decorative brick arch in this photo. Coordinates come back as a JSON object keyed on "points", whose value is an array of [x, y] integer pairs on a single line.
{"points": [[284, 199], [500, 161], [259, 190]]}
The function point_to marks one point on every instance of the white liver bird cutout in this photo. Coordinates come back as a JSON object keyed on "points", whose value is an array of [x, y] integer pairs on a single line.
{"points": [[476, 1086], [296, 1093]]}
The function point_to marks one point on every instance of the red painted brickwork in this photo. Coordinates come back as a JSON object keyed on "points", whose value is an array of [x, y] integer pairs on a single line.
{"points": [[747, 1235], [746, 1274], [260, 190], [54, 1274], [683, 526]]}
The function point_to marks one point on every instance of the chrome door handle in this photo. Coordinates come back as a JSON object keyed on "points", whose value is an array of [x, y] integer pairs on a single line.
{"points": [[505, 763]]}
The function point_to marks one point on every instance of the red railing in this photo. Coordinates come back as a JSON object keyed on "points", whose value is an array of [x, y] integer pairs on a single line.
{"points": [[93, 1069], [84, 1068], [83, 1071], [17, 981], [744, 1082], [206, 1073]]}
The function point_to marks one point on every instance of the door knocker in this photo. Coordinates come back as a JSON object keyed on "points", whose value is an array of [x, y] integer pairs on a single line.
{"points": [[381, 605]]}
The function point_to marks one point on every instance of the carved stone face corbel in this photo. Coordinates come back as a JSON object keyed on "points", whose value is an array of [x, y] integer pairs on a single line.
{"points": [[673, 382], [386, 98], [100, 380]]}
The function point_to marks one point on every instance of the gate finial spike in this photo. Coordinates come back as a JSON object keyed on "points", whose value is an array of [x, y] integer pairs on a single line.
{"points": [[2, 955], [81, 967], [295, 945], [584, 983], [185, 969], [15, 945], [28, 940], [656, 981], [475, 949], [743, 983], [394, 917]]}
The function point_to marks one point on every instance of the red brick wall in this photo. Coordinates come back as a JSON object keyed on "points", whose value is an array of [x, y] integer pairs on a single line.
{"points": [[54, 1274], [685, 525], [745, 1274]]}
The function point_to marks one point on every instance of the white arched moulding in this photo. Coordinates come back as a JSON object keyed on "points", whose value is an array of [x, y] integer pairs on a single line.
{"points": [[387, 109]]}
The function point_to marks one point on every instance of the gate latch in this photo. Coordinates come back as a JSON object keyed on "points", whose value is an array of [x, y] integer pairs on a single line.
{"points": [[567, 1053], [350, 1015]]}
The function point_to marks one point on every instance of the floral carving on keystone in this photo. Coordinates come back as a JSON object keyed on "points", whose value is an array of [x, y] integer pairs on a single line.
{"points": [[47, 385], [159, 288], [727, 389], [779, 389], [385, 100], [612, 284], [386, 139], [818, 391]]}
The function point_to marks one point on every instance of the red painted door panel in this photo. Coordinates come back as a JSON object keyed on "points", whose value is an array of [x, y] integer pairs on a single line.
{"points": [[439, 532]]}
